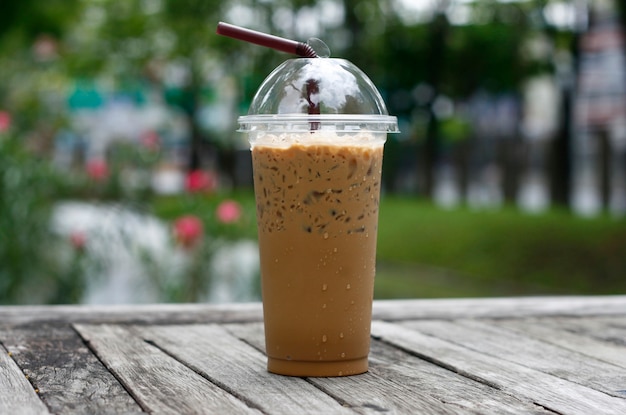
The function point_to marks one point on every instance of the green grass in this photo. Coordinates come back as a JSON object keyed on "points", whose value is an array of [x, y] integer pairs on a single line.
{"points": [[500, 252], [426, 251]]}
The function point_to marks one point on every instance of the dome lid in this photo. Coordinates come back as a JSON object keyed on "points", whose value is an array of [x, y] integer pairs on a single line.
{"points": [[326, 92]]}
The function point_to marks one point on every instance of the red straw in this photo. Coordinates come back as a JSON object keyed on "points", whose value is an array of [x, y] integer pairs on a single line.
{"points": [[263, 39]]}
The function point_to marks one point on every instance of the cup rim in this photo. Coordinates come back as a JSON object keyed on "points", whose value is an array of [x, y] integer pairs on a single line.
{"points": [[374, 123]]}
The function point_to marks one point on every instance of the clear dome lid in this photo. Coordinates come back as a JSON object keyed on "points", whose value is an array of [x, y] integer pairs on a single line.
{"points": [[328, 93]]}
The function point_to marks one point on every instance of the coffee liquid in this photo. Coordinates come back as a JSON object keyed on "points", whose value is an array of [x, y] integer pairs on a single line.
{"points": [[317, 212]]}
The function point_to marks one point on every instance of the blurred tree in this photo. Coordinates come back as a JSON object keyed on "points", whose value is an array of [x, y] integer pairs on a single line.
{"points": [[193, 24], [27, 19], [415, 54], [128, 42], [401, 48], [29, 31], [30, 270], [435, 77], [560, 161], [426, 60], [621, 7]]}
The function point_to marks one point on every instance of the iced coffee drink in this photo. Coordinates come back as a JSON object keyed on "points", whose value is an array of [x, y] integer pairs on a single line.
{"points": [[317, 129], [317, 211]]}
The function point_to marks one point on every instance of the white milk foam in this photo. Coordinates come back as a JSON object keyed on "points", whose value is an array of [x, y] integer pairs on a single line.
{"points": [[321, 137]]}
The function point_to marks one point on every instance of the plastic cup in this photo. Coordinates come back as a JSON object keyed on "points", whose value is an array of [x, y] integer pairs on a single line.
{"points": [[317, 129]]}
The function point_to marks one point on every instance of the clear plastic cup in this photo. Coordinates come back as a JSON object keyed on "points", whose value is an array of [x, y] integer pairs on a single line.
{"points": [[317, 129]]}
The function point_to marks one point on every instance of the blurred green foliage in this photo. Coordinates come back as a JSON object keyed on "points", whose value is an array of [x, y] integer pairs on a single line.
{"points": [[31, 271], [47, 47], [126, 41]]}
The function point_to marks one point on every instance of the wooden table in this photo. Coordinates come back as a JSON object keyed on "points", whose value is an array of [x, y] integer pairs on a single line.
{"points": [[563, 355]]}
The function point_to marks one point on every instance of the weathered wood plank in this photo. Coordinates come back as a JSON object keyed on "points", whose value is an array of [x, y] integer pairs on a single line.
{"points": [[513, 307], [399, 379], [159, 383], [17, 395], [602, 339], [240, 369], [548, 391], [536, 354], [500, 362], [366, 393], [138, 314], [501, 307], [69, 378], [401, 383]]}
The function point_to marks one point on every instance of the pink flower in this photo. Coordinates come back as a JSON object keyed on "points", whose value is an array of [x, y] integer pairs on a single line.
{"points": [[97, 169], [5, 121], [78, 239], [150, 140], [188, 230], [228, 211], [201, 181]]}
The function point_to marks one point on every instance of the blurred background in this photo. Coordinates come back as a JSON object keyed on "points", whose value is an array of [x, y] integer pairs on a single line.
{"points": [[122, 179]]}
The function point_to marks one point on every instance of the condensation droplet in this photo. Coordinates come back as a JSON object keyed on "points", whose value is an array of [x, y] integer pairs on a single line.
{"points": [[324, 339], [341, 335], [348, 287], [334, 249], [324, 287], [343, 355], [325, 235], [324, 305], [340, 373]]}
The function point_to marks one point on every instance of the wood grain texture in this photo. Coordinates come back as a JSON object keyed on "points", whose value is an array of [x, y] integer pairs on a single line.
{"points": [[239, 368], [159, 383], [400, 383], [17, 395], [537, 354], [501, 307], [68, 377], [138, 314], [549, 391], [599, 338], [533, 355], [512, 307], [366, 393]]}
